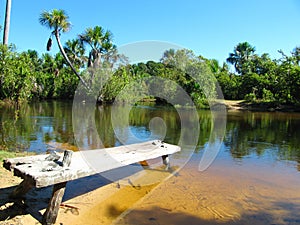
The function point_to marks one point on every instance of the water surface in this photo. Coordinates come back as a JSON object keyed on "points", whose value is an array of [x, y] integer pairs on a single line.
{"points": [[255, 176]]}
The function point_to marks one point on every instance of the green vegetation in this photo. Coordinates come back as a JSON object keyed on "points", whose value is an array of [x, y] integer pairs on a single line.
{"points": [[5, 154], [259, 78], [57, 20], [25, 76], [273, 80]]}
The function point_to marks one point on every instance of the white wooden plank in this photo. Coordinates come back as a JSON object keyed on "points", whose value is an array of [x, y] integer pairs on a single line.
{"points": [[11, 162], [83, 163]]}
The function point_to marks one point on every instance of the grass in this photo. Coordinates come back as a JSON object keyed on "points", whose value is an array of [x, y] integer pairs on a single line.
{"points": [[6, 154]]}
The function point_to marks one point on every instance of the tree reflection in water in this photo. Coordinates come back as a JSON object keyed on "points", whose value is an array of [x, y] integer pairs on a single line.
{"points": [[36, 126]]}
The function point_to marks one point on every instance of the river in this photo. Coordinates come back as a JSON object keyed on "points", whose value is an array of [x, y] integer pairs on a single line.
{"points": [[253, 179]]}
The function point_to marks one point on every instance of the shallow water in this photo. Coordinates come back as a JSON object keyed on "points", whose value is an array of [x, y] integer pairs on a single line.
{"points": [[254, 178], [221, 196]]}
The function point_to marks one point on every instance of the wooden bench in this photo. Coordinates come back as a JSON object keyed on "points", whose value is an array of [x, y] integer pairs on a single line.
{"points": [[57, 169]]}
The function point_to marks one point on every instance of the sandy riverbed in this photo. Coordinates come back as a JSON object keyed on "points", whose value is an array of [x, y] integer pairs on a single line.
{"points": [[220, 195], [92, 200]]}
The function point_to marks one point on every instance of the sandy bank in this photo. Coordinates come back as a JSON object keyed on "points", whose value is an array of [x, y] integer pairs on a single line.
{"points": [[101, 203]]}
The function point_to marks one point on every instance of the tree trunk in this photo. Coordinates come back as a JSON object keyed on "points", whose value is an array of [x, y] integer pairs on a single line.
{"points": [[67, 59], [7, 22], [97, 60]]}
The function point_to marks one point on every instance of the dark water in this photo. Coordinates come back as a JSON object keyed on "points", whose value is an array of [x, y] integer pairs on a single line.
{"points": [[38, 127]]}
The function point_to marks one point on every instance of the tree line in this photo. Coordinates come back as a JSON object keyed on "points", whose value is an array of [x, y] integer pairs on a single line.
{"points": [[25, 76], [260, 78]]}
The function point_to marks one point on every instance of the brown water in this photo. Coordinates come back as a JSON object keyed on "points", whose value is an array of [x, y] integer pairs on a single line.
{"points": [[254, 179]]}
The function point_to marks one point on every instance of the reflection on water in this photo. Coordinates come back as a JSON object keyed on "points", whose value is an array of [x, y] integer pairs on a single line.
{"points": [[40, 126], [264, 135], [255, 178], [34, 127]]}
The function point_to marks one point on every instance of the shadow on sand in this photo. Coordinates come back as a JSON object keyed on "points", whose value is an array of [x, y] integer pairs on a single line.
{"points": [[37, 198]]}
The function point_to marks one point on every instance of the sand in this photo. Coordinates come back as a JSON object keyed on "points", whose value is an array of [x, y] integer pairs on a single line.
{"points": [[100, 203], [223, 194]]}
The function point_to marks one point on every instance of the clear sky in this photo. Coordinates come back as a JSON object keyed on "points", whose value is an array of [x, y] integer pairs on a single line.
{"points": [[208, 27]]}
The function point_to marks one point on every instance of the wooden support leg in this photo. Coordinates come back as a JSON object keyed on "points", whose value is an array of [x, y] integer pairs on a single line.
{"points": [[144, 164], [22, 188], [166, 161], [51, 213]]}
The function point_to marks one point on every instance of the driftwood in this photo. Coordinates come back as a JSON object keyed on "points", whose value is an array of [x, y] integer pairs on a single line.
{"points": [[57, 169]]}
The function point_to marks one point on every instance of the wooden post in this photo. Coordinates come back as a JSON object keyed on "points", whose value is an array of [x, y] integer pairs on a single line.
{"points": [[166, 161], [51, 213], [22, 188], [144, 164]]}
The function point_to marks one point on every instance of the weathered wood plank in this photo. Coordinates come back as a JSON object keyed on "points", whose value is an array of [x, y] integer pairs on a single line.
{"points": [[10, 163], [47, 173], [67, 158], [57, 194]]}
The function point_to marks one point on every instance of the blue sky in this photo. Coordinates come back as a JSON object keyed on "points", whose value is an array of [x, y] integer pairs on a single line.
{"points": [[208, 27]]}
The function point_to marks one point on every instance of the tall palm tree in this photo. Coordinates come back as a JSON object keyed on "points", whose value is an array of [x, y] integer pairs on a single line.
{"points": [[58, 21], [7, 22], [100, 42], [241, 55]]}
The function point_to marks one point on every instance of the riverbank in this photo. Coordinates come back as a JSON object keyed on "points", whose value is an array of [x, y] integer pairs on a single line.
{"points": [[229, 104], [260, 106]]}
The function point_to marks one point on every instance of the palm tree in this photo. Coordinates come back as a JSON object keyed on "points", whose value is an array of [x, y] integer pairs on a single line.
{"points": [[75, 51], [100, 42], [241, 55], [57, 20], [214, 65], [49, 64], [7, 22]]}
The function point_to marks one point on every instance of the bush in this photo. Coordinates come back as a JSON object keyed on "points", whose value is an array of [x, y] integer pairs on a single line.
{"points": [[268, 96], [251, 97]]}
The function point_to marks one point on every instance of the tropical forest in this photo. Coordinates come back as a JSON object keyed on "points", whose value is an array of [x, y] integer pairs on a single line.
{"points": [[29, 76]]}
